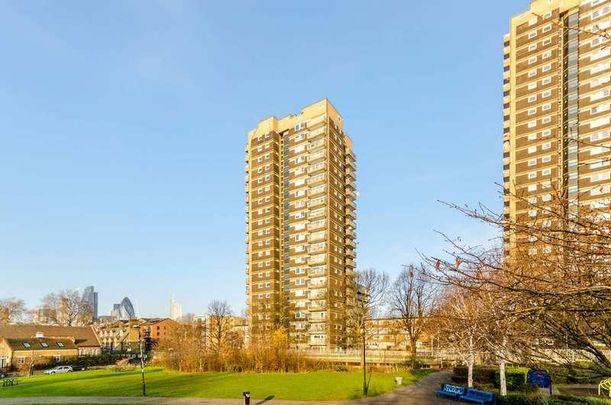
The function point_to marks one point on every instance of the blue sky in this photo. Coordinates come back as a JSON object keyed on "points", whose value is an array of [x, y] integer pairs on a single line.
{"points": [[123, 123]]}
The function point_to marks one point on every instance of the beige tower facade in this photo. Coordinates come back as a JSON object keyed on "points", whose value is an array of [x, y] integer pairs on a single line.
{"points": [[301, 231], [557, 107]]}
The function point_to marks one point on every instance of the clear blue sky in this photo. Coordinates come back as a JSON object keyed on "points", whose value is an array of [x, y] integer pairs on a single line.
{"points": [[123, 124]]}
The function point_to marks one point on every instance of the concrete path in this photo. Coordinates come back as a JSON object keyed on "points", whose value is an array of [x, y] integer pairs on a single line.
{"points": [[421, 393]]}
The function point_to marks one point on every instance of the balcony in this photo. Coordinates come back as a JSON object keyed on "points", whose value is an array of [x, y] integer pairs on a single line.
{"points": [[350, 213]]}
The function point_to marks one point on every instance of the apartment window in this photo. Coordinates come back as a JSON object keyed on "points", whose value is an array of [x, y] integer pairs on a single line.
{"points": [[532, 149], [546, 132], [532, 34], [532, 162], [532, 187], [532, 60], [547, 80], [547, 41], [547, 28], [547, 67], [532, 137], [546, 172], [532, 175], [546, 93], [547, 197], [532, 213], [44, 344], [532, 21], [27, 345], [532, 98], [546, 145], [532, 124], [532, 111], [546, 107], [532, 47], [532, 73], [547, 15], [60, 344], [546, 120], [532, 85], [546, 159]]}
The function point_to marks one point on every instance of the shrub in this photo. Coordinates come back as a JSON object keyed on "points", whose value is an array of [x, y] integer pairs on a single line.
{"points": [[482, 375], [575, 400], [516, 378], [521, 399]]}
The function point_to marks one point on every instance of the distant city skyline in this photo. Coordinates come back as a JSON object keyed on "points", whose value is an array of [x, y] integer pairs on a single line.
{"points": [[122, 129]]}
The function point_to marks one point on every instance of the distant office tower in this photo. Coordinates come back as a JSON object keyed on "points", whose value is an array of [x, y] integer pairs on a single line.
{"points": [[300, 197], [175, 309], [123, 311], [557, 107], [90, 296]]}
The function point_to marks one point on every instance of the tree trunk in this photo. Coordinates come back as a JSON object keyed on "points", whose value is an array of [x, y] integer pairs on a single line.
{"points": [[470, 362], [470, 373], [365, 385], [413, 353], [502, 379]]}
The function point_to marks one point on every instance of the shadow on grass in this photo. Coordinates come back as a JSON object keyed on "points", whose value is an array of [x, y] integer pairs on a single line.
{"points": [[267, 398]]}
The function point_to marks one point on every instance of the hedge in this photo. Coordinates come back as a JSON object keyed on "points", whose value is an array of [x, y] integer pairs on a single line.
{"points": [[523, 399], [516, 378]]}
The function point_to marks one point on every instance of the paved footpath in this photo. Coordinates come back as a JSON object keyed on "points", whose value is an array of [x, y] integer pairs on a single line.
{"points": [[421, 393]]}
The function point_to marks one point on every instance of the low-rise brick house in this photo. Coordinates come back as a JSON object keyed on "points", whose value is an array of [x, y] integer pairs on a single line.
{"points": [[124, 336], [15, 353], [82, 338]]}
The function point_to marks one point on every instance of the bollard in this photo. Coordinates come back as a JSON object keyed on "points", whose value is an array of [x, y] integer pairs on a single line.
{"points": [[246, 396]]}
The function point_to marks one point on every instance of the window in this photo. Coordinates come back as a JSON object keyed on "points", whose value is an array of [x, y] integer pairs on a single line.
{"points": [[532, 111], [546, 145], [546, 159], [532, 187], [532, 124], [547, 41], [60, 344], [44, 344], [532, 149], [532, 98], [547, 67], [546, 120], [532, 47], [546, 172], [547, 28], [532, 85], [546, 107], [547, 15], [532, 34], [532, 175], [532, 60], [546, 132], [532, 162], [547, 80], [532, 73], [546, 93], [27, 345]]}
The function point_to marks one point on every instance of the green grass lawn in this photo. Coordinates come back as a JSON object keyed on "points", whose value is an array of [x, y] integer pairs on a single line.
{"points": [[319, 385]]}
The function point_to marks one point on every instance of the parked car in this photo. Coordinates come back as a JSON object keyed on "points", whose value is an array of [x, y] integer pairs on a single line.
{"points": [[79, 367], [59, 370], [3, 374]]}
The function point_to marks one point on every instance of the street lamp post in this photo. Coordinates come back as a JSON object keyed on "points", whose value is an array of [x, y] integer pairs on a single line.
{"points": [[141, 358]]}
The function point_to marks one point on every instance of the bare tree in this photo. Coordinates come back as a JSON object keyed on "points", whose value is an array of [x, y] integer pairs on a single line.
{"points": [[552, 277], [460, 326], [371, 289], [67, 308], [219, 324], [412, 298], [12, 310]]}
